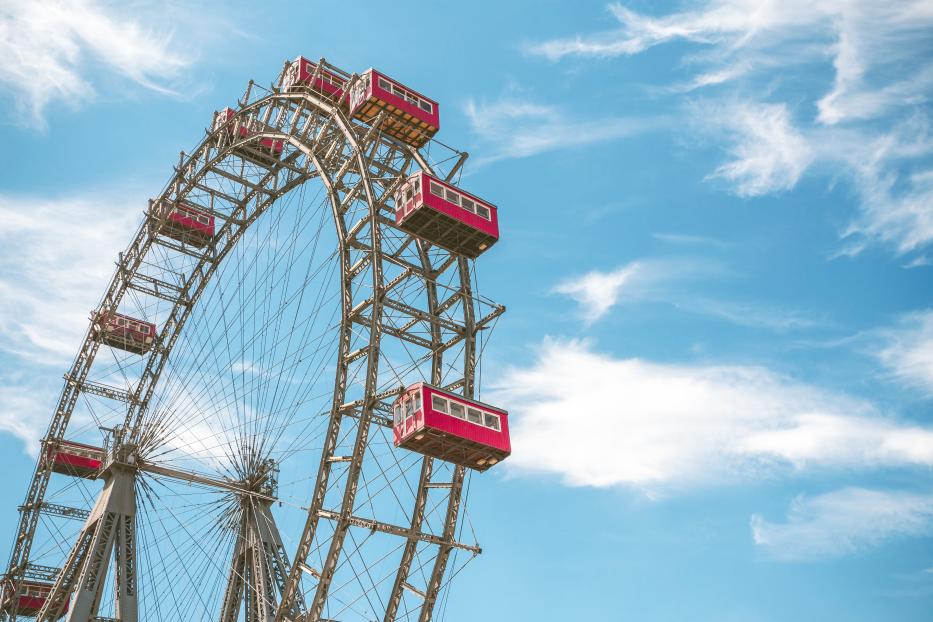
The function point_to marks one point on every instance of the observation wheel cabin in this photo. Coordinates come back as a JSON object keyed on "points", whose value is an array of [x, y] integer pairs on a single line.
{"points": [[183, 222], [29, 599], [444, 425], [264, 152], [75, 459], [413, 118], [303, 73], [446, 216], [124, 332]]}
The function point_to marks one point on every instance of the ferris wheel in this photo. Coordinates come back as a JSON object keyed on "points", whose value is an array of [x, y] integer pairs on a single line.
{"points": [[273, 415]]}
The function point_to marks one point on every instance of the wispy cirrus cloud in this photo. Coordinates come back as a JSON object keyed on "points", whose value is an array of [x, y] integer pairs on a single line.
{"points": [[669, 281], [769, 154], [842, 522], [907, 350], [753, 315], [894, 182], [740, 37], [22, 413], [865, 123], [596, 292], [888, 169], [517, 128], [594, 419], [57, 256], [51, 48], [685, 239]]}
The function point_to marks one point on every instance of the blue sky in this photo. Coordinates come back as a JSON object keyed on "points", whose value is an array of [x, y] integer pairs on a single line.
{"points": [[717, 251]]}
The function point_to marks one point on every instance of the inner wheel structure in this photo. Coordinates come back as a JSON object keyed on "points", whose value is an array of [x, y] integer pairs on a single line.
{"points": [[230, 448]]}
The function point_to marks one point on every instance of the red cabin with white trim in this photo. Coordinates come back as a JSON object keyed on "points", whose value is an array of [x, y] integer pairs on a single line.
{"points": [[445, 215], [30, 598], [301, 74], [412, 118], [75, 459], [444, 425], [124, 332], [184, 222], [264, 152]]}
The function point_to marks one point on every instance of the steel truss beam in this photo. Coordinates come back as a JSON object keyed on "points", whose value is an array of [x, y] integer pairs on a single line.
{"points": [[103, 390], [374, 525], [41, 573], [54, 509]]}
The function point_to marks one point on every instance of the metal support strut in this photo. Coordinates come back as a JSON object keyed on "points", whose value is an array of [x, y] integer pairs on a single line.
{"points": [[258, 568], [109, 533]]}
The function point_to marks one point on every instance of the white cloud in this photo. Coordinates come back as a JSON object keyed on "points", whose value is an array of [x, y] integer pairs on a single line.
{"points": [[843, 522], [596, 420], [873, 38], [893, 180], [746, 314], [882, 81], [769, 153], [908, 351], [57, 257], [733, 22], [863, 39], [23, 414], [836, 438], [919, 261], [513, 128], [711, 78], [50, 48], [597, 292], [896, 210], [683, 239], [653, 280]]}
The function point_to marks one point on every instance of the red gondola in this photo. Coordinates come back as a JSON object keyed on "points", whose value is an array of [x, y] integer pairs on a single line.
{"points": [[444, 425], [301, 74], [265, 152], [413, 118], [446, 216], [75, 459], [124, 332], [30, 598], [184, 222]]}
